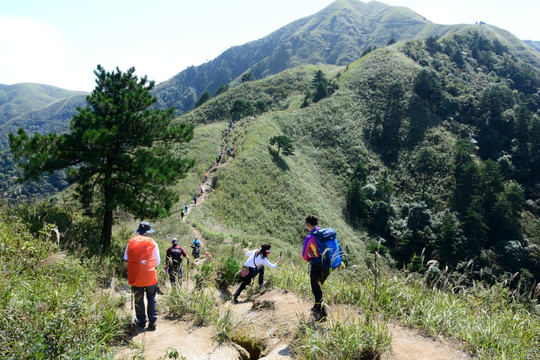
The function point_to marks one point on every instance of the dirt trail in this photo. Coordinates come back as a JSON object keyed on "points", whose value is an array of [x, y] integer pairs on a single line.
{"points": [[271, 320], [207, 182]]}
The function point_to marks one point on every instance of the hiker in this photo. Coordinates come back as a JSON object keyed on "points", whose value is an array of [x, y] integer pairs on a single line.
{"points": [[195, 200], [229, 129], [229, 152], [196, 246], [173, 263], [205, 176], [202, 189], [317, 274], [186, 207], [142, 256], [256, 261], [182, 214]]}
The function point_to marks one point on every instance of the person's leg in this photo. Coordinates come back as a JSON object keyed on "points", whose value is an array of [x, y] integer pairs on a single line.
{"points": [[245, 282], [140, 314], [152, 305], [261, 277], [316, 274]]}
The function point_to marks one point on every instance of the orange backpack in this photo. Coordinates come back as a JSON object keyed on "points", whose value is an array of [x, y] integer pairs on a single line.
{"points": [[141, 261]]}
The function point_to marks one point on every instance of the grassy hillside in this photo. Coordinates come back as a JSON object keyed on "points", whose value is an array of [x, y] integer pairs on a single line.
{"points": [[423, 155], [22, 98], [405, 136], [53, 117], [336, 35], [52, 303]]}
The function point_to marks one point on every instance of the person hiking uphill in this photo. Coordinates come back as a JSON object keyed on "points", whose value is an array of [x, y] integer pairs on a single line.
{"points": [[142, 256], [317, 274], [256, 261], [173, 263], [196, 246]]}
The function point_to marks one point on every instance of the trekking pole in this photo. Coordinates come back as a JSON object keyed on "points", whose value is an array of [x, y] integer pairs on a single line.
{"points": [[132, 315], [187, 274]]}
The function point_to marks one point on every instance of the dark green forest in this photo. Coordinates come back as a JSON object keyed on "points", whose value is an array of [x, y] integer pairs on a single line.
{"points": [[475, 199]]}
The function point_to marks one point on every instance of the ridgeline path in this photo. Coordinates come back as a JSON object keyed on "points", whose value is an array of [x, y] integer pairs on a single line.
{"points": [[269, 319]]}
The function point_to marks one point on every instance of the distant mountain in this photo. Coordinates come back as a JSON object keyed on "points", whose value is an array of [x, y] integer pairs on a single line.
{"points": [[336, 35], [53, 117], [19, 99], [534, 44], [36, 108]]}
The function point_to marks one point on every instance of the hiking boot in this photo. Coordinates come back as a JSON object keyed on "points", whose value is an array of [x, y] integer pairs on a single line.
{"points": [[141, 324], [234, 300], [152, 325]]}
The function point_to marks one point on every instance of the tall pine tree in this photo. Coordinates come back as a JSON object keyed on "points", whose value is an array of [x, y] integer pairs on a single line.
{"points": [[119, 152]]}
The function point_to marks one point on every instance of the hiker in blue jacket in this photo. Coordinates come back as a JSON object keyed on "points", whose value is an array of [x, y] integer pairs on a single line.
{"points": [[317, 274], [257, 260]]}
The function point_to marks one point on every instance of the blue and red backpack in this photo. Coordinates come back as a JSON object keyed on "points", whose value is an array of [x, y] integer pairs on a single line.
{"points": [[328, 249]]}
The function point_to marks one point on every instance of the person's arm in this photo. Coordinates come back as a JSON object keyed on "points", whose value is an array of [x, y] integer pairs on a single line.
{"points": [[269, 264], [185, 254], [309, 250], [156, 254]]}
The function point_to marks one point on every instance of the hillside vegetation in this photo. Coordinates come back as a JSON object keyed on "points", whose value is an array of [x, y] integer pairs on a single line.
{"points": [[407, 115], [423, 154]]}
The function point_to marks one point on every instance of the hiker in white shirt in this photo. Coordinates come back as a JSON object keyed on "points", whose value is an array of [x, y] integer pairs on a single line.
{"points": [[257, 260]]}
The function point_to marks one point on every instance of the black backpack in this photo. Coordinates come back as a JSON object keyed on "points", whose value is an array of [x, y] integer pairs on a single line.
{"points": [[176, 255]]}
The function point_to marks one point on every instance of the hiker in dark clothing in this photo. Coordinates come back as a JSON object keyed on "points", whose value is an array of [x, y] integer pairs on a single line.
{"points": [[195, 200], [196, 246], [173, 261], [256, 261], [317, 274]]}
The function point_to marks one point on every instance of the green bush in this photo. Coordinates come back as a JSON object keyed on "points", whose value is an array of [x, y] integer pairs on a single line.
{"points": [[51, 304], [359, 339]]}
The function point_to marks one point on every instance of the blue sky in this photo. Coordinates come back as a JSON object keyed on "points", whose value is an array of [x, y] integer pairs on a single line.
{"points": [[60, 42]]}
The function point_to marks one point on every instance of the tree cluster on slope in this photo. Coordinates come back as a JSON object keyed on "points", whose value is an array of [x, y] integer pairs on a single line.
{"points": [[475, 88]]}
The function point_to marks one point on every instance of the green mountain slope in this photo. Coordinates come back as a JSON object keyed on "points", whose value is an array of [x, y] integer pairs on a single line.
{"points": [[336, 35], [19, 99], [54, 117], [401, 112], [533, 44]]}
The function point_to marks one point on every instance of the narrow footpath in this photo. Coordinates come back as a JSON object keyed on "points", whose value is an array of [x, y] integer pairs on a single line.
{"points": [[271, 318]]}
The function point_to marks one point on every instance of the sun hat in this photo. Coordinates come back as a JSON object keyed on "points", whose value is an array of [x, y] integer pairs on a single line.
{"points": [[175, 241]]}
